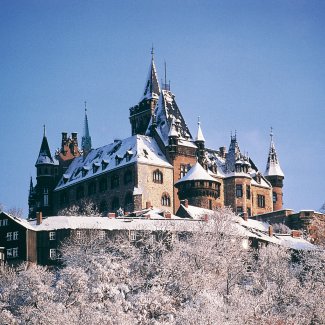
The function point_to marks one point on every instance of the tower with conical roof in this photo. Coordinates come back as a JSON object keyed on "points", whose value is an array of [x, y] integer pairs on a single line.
{"points": [[140, 114], [86, 138], [46, 170], [274, 174], [200, 143], [199, 188]]}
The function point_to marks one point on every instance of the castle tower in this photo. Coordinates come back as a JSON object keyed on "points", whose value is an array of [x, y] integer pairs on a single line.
{"points": [[86, 138], [140, 114], [199, 188], [275, 175], [46, 169], [31, 200], [200, 143]]}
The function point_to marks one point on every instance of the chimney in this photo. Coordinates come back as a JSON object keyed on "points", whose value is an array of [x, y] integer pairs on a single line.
{"points": [[64, 140], [111, 215], [148, 205], [296, 234], [270, 231], [205, 218], [223, 151], [186, 203], [39, 218], [245, 216], [74, 135]]}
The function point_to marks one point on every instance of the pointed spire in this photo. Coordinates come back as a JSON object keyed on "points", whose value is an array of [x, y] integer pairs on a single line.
{"points": [[86, 138], [44, 156], [273, 167], [152, 88], [31, 186], [199, 135]]}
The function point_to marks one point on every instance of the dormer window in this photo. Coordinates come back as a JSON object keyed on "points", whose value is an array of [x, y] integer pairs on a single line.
{"points": [[84, 171], [95, 167], [118, 159], [104, 164], [128, 155], [258, 178]]}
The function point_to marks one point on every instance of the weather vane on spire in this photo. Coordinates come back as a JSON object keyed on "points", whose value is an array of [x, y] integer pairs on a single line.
{"points": [[44, 130], [85, 106], [271, 133], [198, 120]]}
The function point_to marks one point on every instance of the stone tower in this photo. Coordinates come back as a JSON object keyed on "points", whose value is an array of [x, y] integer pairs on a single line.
{"points": [[141, 114], [199, 188], [40, 196], [275, 176]]}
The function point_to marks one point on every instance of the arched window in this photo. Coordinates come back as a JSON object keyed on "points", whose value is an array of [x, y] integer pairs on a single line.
{"points": [[165, 200], [128, 177], [115, 203], [157, 176]]}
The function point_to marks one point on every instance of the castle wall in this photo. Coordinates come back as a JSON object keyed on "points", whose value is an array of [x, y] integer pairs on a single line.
{"points": [[153, 191]]}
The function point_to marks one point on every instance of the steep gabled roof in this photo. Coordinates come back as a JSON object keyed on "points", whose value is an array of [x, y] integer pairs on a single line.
{"points": [[44, 156], [273, 167], [151, 88], [166, 111]]}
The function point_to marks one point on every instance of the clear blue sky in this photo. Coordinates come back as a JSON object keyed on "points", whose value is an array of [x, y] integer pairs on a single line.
{"points": [[240, 65]]}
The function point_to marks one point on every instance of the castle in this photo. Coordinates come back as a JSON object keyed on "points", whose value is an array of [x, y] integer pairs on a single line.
{"points": [[159, 165]]}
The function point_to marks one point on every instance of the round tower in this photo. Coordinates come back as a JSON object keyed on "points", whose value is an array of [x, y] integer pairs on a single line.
{"points": [[199, 188], [274, 174]]}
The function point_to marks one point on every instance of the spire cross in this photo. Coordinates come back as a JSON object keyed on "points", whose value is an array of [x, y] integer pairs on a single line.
{"points": [[271, 133], [198, 120], [152, 51]]}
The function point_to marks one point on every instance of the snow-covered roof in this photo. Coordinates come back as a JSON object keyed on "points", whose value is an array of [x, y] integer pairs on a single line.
{"points": [[197, 172], [166, 111], [151, 88], [199, 134], [254, 229], [44, 156], [273, 167], [138, 148]]}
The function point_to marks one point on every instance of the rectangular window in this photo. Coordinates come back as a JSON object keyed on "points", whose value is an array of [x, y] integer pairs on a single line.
{"points": [[46, 197], [78, 234], [52, 235], [133, 235], [184, 169], [239, 210], [15, 252], [249, 212], [53, 254], [260, 201], [9, 253], [9, 236], [5, 222], [15, 235], [248, 192], [239, 190], [102, 234], [275, 197]]}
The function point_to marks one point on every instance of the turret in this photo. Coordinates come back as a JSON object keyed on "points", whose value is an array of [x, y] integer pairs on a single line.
{"points": [[274, 174], [199, 188], [86, 138], [46, 168], [200, 142], [140, 114], [172, 139]]}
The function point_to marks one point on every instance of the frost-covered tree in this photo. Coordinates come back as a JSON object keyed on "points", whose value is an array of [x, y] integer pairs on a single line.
{"points": [[84, 208]]}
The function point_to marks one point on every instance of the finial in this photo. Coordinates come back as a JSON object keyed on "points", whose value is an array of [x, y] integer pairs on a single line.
{"points": [[85, 106], [198, 120], [152, 51], [271, 133], [44, 130]]}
